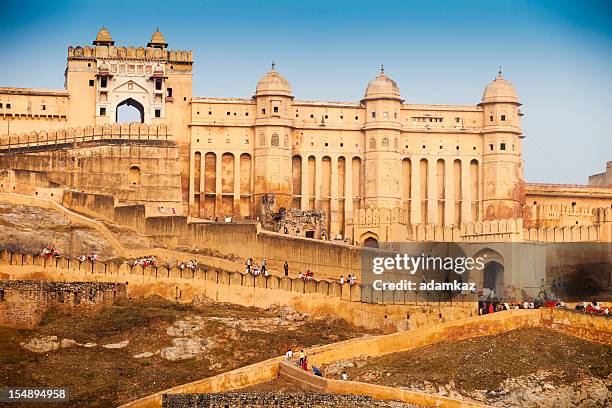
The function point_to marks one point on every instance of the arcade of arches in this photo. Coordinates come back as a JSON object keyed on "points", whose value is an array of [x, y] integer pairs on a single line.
{"points": [[223, 185]]}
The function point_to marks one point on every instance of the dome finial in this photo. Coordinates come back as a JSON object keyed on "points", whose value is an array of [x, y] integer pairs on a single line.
{"points": [[273, 66], [382, 68], [499, 73]]}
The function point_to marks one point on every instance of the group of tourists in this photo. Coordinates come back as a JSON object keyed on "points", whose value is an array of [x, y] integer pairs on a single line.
{"points": [[303, 364], [252, 268], [309, 275], [90, 257], [192, 265], [349, 279], [49, 251], [593, 308], [146, 261]]}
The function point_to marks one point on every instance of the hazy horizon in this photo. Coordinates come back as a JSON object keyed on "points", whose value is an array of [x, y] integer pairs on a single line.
{"points": [[558, 55]]}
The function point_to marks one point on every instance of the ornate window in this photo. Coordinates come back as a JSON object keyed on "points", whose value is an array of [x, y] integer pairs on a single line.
{"points": [[274, 139], [286, 140], [372, 143], [385, 142]]}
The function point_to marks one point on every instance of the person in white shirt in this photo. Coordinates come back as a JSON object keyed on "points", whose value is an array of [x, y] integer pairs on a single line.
{"points": [[344, 376], [341, 280], [289, 355]]}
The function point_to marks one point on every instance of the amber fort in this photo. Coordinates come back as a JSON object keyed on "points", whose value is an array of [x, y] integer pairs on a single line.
{"points": [[310, 184]]}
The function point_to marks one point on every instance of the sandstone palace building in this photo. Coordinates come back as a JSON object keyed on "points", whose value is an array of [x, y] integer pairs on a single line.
{"points": [[379, 169]]}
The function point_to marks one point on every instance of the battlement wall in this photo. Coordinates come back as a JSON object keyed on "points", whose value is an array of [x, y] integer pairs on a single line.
{"points": [[136, 53], [319, 297], [116, 131]]}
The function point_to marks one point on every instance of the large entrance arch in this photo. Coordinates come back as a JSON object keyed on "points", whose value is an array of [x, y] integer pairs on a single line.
{"points": [[493, 276], [130, 103]]}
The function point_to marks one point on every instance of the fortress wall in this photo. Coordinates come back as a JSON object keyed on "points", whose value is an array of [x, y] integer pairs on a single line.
{"points": [[97, 205], [308, 381], [23, 303], [587, 327], [134, 163], [315, 297]]}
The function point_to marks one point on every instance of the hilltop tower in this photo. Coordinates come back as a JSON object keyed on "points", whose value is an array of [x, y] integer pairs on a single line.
{"points": [[382, 104], [273, 98], [502, 162]]}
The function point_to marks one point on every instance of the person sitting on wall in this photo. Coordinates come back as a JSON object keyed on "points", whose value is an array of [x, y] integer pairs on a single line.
{"points": [[248, 264], [343, 376], [309, 274], [301, 276], [263, 265], [316, 371], [341, 280], [352, 280]]}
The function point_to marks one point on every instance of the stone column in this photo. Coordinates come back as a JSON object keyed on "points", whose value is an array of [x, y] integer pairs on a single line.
{"points": [[432, 192], [237, 185], [319, 180], [415, 203], [333, 205], [218, 183], [449, 192], [305, 183], [348, 189], [201, 210], [466, 192], [192, 211]]}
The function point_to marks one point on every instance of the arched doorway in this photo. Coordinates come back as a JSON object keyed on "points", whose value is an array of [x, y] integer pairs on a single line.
{"points": [[134, 176], [493, 276], [130, 110], [370, 242]]}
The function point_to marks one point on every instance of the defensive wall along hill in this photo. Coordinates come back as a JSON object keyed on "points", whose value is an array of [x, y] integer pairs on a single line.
{"points": [[592, 328], [328, 260], [318, 297]]}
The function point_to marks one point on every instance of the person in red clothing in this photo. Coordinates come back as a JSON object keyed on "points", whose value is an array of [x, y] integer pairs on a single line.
{"points": [[491, 310], [305, 364]]}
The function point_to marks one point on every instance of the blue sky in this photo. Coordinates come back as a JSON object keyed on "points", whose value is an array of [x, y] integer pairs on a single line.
{"points": [[558, 54]]}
